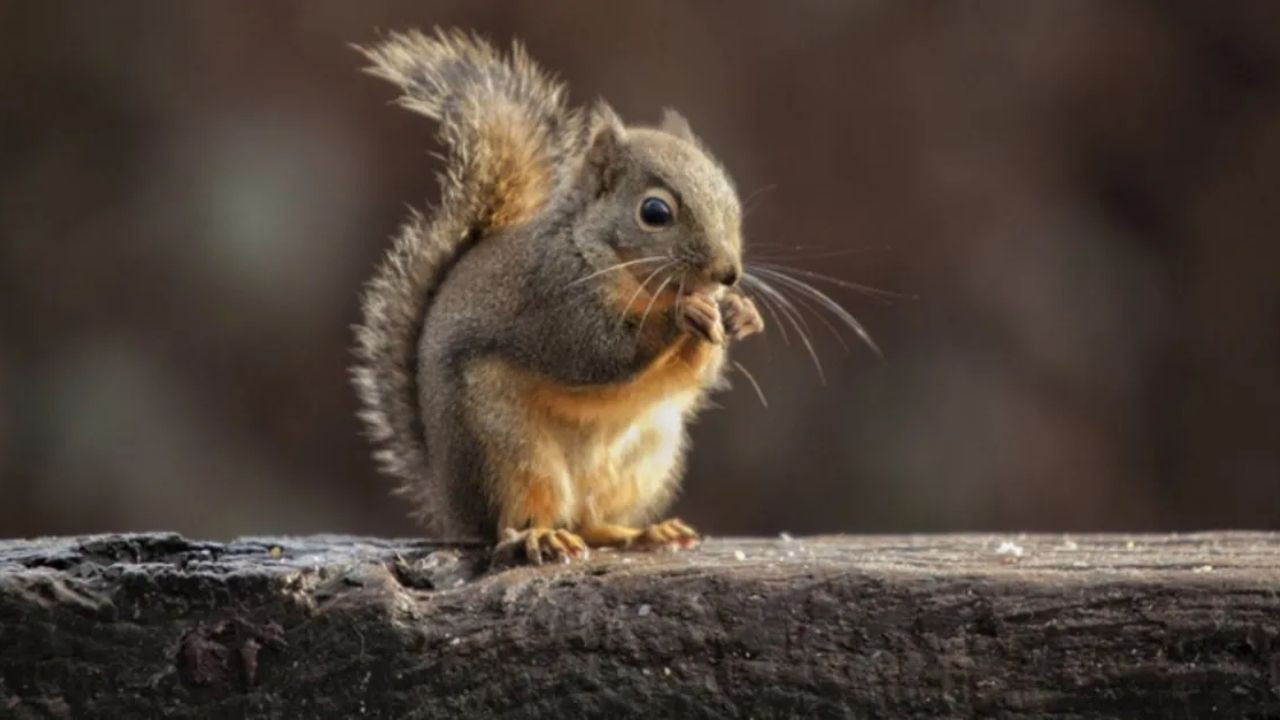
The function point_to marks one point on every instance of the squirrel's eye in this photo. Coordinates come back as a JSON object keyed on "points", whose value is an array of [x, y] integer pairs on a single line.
{"points": [[656, 211]]}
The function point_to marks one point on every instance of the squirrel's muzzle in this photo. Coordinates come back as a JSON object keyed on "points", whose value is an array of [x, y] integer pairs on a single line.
{"points": [[727, 276]]}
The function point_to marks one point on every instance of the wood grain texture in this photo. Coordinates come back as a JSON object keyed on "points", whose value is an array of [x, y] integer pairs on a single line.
{"points": [[957, 625]]}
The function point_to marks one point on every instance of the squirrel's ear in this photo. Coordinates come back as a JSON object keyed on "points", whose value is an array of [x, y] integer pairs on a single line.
{"points": [[605, 138], [673, 123]]}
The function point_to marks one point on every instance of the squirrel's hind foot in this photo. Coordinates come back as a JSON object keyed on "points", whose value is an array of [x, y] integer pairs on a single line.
{"points": [[671, 534], [538, 545]]}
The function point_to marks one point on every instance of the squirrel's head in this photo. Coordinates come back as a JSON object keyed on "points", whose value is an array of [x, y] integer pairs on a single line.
{"points": [[656, 193]]}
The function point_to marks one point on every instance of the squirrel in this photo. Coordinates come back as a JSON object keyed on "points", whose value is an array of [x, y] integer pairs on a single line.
{"points": [[530, 354]]}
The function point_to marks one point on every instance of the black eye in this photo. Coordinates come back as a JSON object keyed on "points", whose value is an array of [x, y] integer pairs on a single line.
{"points": [[655, 213]]}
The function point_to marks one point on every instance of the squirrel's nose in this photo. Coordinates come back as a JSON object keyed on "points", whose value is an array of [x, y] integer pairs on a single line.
{"points": [[727, 276]]}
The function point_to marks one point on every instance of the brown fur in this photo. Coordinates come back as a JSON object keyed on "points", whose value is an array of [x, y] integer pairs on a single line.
{"points": [[552, 385]]}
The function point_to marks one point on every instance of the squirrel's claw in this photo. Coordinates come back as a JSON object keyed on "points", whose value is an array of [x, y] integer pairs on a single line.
{"points": [[672, 533], [741, 317], [700, 314], [539, 545]]}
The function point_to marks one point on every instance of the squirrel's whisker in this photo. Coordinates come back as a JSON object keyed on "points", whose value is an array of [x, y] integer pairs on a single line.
{"points": [[800, 299], [882, 295], [797, 321], [786, 246], [746, 204], [786, 305], [825, 301], [619, 266], [821, 254], [754, 384], [623, 317], [652, 299], [768, 306], [806, 304], [807, 290], [789, 306]]}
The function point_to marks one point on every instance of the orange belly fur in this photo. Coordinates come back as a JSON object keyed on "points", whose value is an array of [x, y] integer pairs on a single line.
{"points": [[597, 454]]}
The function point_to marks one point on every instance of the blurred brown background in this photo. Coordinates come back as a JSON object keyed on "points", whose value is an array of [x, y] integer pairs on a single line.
{"points": [[1084, 196]]}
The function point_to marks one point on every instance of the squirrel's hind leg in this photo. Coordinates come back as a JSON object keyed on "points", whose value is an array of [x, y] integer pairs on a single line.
{"points": [[525, 485]]}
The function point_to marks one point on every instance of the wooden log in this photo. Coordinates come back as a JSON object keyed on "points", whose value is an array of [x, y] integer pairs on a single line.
{"points": [[155, 625]]}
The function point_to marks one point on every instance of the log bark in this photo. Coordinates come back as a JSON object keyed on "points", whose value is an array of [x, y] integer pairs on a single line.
{"points": [[157, 625]]}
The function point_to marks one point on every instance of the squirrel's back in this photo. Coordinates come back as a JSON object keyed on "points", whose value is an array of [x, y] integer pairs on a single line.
{"points": [[507, 134]]}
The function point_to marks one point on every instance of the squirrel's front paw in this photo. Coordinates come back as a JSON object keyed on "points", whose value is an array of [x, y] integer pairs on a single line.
{"points": [[540, 544], [741, 318], [700, 314]]}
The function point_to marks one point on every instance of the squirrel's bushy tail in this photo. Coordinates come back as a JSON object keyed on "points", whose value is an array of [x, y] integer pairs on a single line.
{"points": [[507, 133]]}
